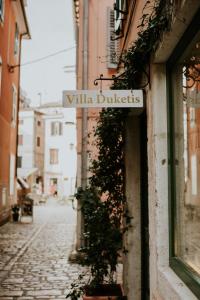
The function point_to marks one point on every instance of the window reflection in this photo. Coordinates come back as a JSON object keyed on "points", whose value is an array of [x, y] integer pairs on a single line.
{"points": [[186, 83]]}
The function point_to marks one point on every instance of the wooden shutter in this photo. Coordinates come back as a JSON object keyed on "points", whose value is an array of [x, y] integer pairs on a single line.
{"points": [[112, 45]]}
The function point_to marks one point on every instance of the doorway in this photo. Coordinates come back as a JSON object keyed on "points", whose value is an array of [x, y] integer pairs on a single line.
{"points": [[145, 294]]}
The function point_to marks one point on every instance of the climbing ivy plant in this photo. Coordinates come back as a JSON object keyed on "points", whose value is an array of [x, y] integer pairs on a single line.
{"points": [[156, 19], [103, 201]]}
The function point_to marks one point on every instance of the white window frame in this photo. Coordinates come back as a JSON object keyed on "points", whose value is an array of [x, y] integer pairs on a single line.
{"points": [[119, 16], [14, 106]]}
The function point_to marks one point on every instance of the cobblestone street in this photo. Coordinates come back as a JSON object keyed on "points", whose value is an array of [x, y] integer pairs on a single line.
{"points": [[34, 257]]}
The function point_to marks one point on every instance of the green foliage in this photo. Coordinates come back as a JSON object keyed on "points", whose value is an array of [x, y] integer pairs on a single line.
{"points": [[103, 203], [103, 236], [135, 60]]}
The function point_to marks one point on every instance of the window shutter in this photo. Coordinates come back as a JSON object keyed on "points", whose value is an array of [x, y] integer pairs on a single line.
{"points": [[60, 128], [112, 46], [51, 128]]}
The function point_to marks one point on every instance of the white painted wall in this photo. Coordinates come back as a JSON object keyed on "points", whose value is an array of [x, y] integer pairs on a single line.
{"points": [[65, 170]]}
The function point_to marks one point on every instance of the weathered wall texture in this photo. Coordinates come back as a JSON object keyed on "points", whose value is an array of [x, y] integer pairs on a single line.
{"points": [[132, 261]]}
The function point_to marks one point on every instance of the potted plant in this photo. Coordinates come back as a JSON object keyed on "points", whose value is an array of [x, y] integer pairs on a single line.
{"points": [[15, 212], [103, 206], [103, 243]]}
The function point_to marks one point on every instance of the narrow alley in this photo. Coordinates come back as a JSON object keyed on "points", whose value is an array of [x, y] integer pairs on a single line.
{"points": [[34, 257]]}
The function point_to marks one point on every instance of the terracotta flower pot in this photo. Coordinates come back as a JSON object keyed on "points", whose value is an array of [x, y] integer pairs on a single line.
{"points": [[104, 292], [15, 217]]}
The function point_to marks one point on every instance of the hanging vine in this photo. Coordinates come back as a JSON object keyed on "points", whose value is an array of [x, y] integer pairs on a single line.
{"points": [[136, 59], [103, 202]]}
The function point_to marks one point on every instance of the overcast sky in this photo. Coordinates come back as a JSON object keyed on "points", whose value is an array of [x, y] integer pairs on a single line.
{"points": [[52, 30]]}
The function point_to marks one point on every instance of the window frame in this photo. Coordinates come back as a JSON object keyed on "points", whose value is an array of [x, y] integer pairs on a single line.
{"points": [[20, 139], [14, 106], [16, 40], [184, 271], [38, 141], [19, 162], [2, 11], [119, 6], [56, 128], [52, 159]]}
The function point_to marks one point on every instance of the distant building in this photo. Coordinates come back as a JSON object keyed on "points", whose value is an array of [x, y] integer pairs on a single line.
{"points": [[13, 27], [60, 150], [30, 159]]}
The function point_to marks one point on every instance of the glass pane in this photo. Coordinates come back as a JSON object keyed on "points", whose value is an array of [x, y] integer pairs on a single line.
{"points": [[186, 89]]}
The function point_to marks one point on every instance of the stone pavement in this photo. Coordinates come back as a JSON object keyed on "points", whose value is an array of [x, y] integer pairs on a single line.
{"points": [[34, 257]]}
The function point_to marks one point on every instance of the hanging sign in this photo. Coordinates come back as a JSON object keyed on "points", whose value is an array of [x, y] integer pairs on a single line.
{"points": [[104, 98]]}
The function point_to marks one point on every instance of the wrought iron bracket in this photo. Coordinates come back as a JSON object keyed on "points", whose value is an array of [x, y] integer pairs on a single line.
{"points": [[119, 77], [113, 78], [11, 68], [117, 38]]}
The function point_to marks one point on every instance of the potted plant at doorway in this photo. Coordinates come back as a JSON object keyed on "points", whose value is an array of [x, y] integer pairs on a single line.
{"points": [[103, 244], [15, 212], [104, 208]]}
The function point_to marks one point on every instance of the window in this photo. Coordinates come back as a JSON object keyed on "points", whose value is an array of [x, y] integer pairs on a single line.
{"points": [[38, 123], [21, 122], [120, 7], [19, 161], [12, 174], [1, 10], [38, 141], [20, 139], [184, 120], [16, 43], [14, 106], [71, 146], [53, 156], [56, 128]]}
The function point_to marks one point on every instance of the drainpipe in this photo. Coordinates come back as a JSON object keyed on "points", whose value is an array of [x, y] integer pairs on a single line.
{"points": [[85, 87], [80, 240]]}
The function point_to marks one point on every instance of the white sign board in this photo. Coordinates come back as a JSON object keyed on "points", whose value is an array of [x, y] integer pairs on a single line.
{"points": [[105, 98]]}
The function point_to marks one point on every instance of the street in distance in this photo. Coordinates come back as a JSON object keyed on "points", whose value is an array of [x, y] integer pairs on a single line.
{"points": [[104, 98]]}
